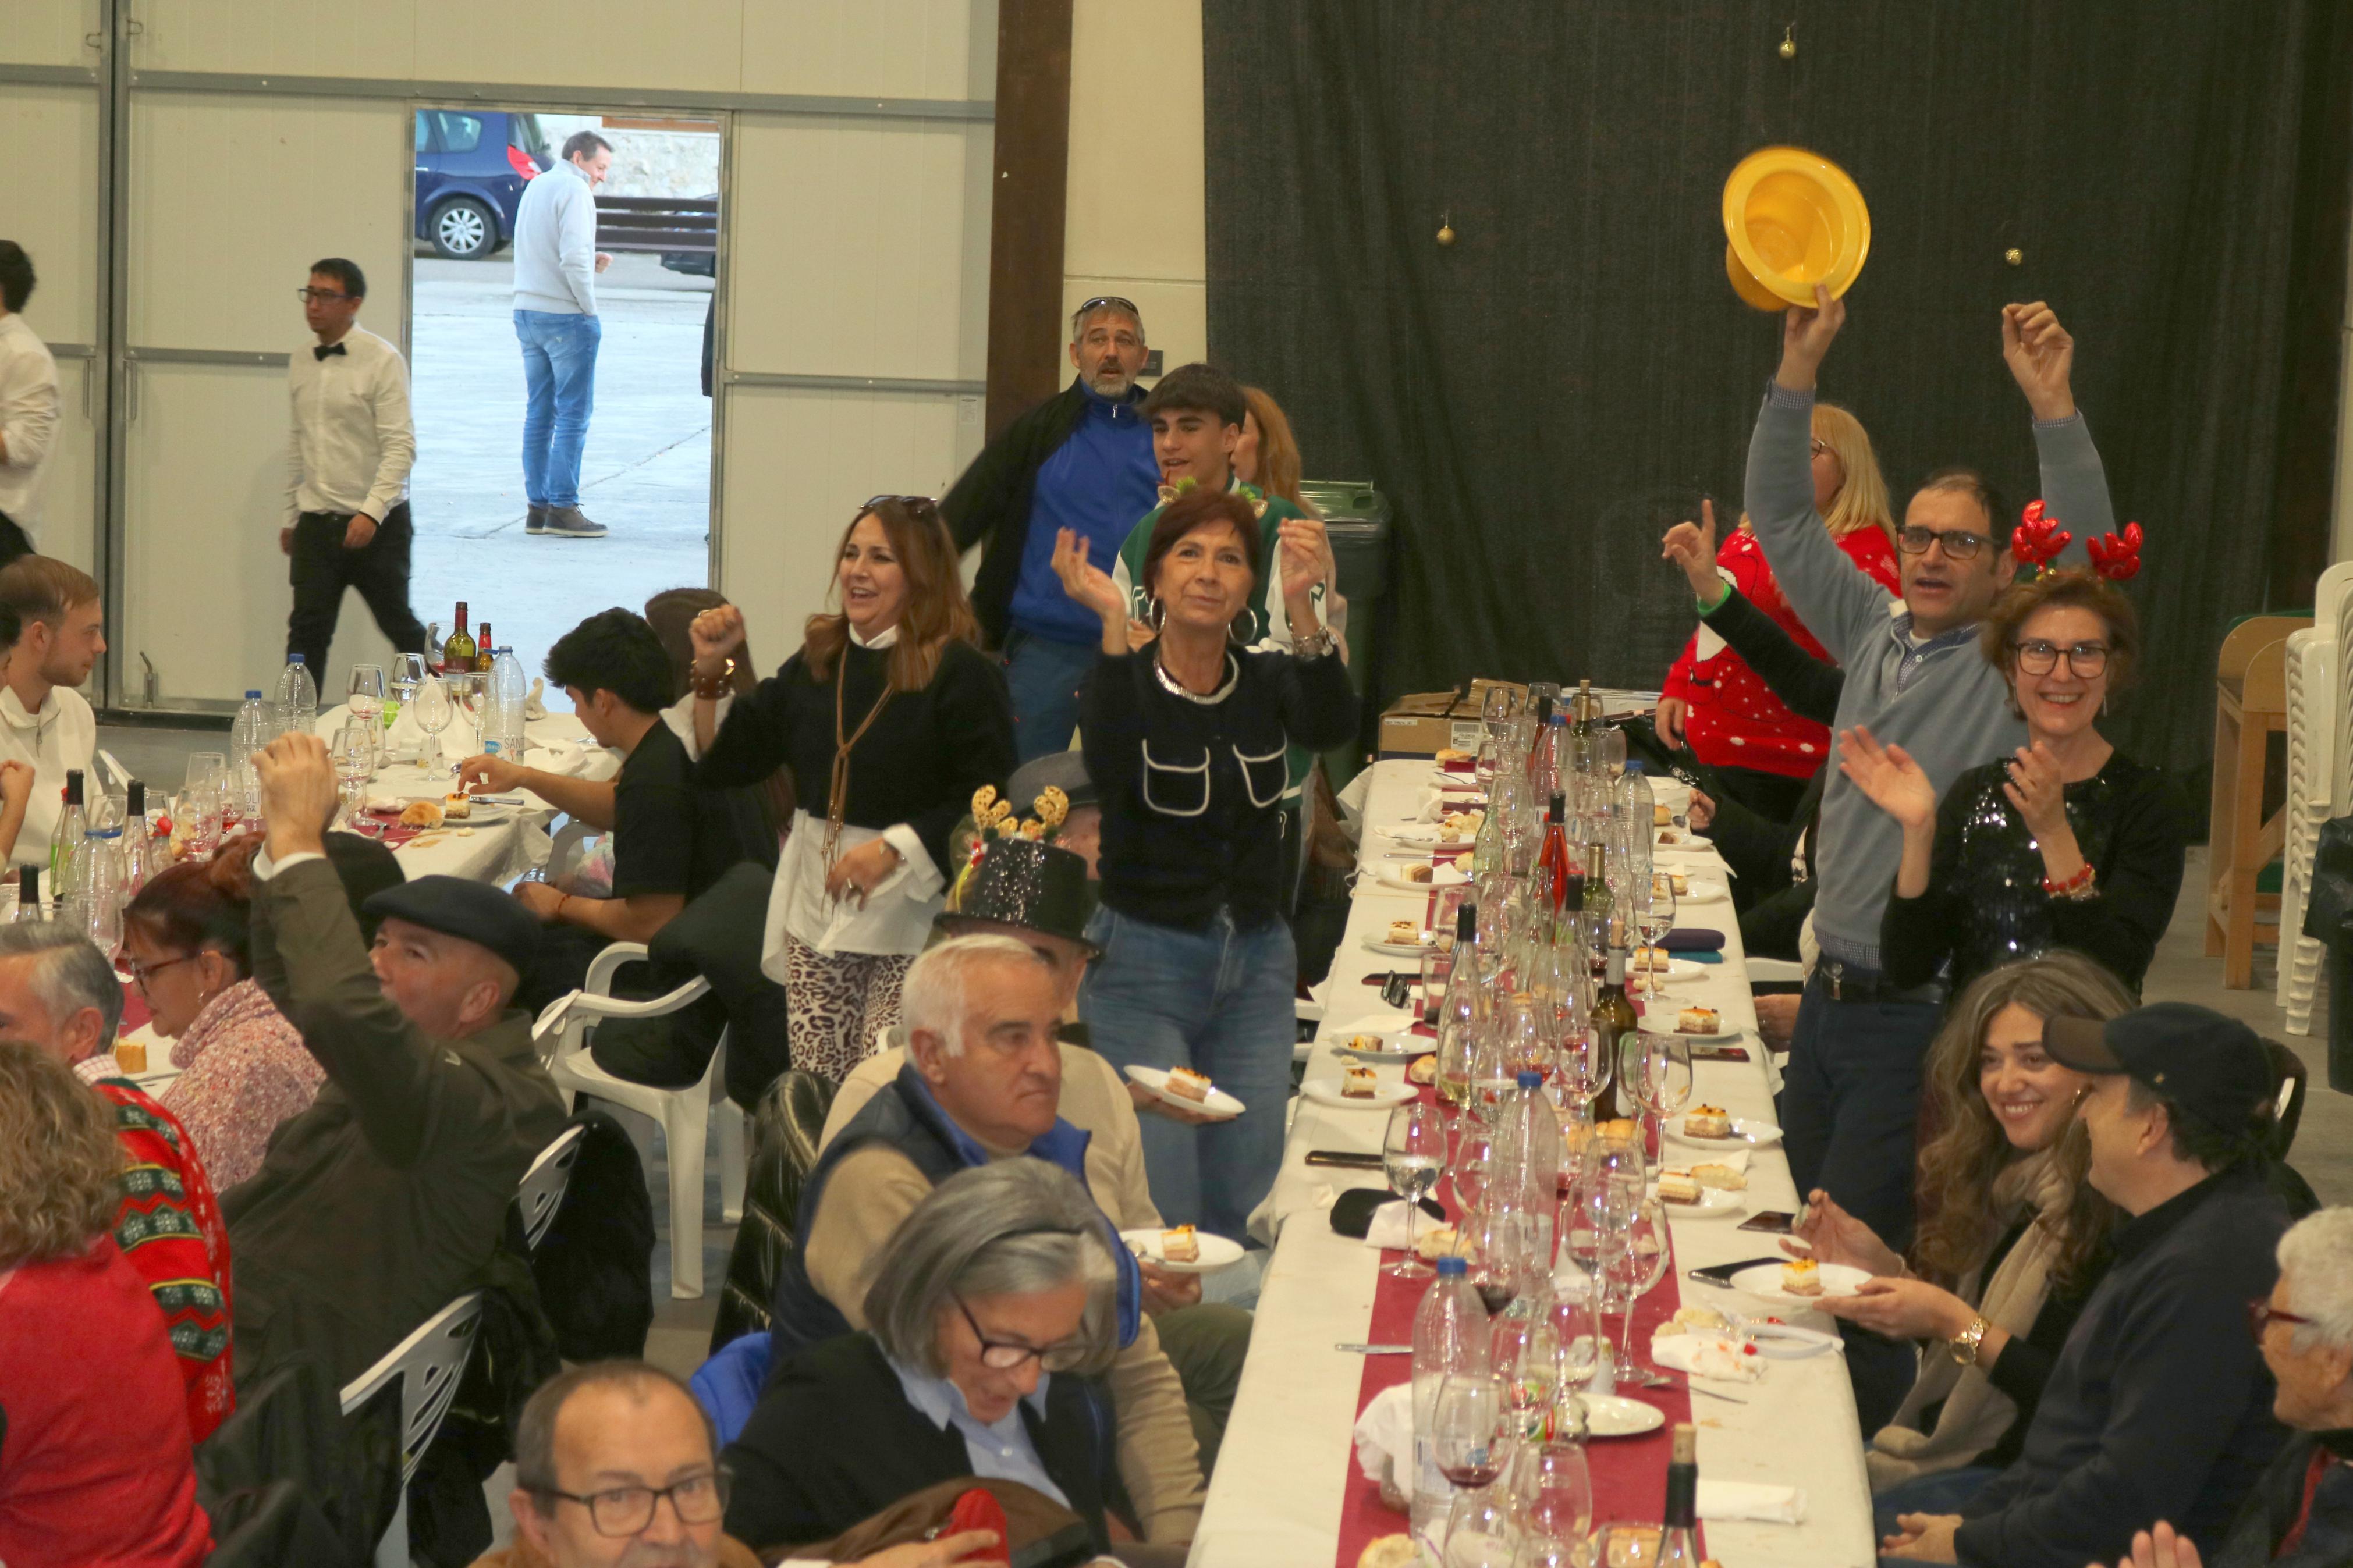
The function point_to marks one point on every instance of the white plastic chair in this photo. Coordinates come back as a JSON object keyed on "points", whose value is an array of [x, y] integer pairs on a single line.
{"points": [[684, 1113], [429, 1364], [2312, 660], [541, 1193]]}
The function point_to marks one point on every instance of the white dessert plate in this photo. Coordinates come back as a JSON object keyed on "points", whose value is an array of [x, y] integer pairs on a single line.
{"points": [[1216, 1251], [1673, 969], [1615, 1415], [1439, 877], [1664, 1024], [1398, 1046], [1753, 1134], [1764, 1281], [1712, 1200], [1398, 949], [1219, 1103], [1327, 1091]]}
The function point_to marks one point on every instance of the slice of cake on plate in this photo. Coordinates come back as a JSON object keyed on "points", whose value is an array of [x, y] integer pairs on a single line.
{"points": [[1187, 1084], [1707, 1121], [1180, 1245], [1801, 1277], [1358, 1082]]}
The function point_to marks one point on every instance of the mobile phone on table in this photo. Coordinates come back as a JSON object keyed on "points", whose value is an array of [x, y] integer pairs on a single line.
{"points": [[1722, 1273], [1772, 1222], [1719, 1053], [1343, 1157]]}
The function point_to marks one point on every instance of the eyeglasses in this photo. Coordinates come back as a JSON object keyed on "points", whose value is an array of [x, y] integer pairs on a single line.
{"points": [[1823, 447], [143, 972], [1112, 300], [308, 294], [1959, 543], [2084, 659], [1004, 1355], [625, 1510], [2261, 1315]]}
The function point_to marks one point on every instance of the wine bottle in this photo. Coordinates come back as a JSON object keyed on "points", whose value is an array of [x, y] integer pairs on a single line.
{"points": [[28, 893], [484, 649], [1552, 863], [1679, 1541], [1458, 1019], [65, 844], [1613, 1020], [459, 653]]}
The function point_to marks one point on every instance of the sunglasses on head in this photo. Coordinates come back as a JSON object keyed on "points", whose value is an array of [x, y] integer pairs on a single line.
{"points": [[1114, 301], [918, 505]]}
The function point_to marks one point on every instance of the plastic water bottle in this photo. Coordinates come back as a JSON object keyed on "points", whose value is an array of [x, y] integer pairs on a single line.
{"points": [[1631, 796], [298, 699], [1529, 1154], [510, 690], [254, 728], [1451, 1335]]}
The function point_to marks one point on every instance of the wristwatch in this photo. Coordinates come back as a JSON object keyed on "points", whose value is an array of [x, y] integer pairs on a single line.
{"points": [[1965, 1343]]}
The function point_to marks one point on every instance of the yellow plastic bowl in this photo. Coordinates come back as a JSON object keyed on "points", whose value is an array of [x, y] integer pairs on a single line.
{"points": [[1793, 219]]}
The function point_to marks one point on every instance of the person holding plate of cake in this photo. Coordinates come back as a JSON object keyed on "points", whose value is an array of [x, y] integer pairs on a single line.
{"points": [[1186, 740]]}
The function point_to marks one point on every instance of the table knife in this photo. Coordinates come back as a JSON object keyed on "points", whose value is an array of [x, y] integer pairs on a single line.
{"points": [[1376, 1349]]}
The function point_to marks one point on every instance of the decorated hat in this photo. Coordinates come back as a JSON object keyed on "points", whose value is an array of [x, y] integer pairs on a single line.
{"points": [[1792, 219], [1029, 883]]}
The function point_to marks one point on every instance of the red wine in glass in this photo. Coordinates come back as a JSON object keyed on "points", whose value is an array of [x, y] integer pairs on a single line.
{"points": [[1473, 1476]]}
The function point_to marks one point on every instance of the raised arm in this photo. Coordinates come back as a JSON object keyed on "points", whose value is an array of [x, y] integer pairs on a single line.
{"points": [[2041, 354]]}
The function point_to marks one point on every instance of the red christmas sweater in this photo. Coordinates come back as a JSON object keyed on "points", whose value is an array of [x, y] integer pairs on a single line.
{"points": [[1734, 720], [171, 1232]]}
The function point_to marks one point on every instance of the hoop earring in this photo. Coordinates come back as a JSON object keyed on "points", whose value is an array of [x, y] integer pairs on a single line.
{"points": [[1156, 612]]}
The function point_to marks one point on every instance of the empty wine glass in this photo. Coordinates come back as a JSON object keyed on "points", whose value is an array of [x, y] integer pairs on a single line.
{"points": [[1413, 1152], [353, 751], [1525, 1351], [1500, 705], [206, 768], [1656, 1069], [366, 696], [1474, 1157], [1482, 1528], [1554, 1487], [433, 710], [1637, 1265]]}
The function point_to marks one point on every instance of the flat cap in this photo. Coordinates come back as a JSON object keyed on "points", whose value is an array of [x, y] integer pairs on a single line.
{"points": [[471, 911]]}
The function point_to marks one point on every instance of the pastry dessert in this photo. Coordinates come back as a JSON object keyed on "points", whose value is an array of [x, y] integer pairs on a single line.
{"points": [[1187, 1084], [421, 814], [1364, 1042], [1437, 1241], [1801, 1277], [1451, 755], [1357, 1082], [1673, 882], [1699, 1021], [1422, 1069], [1180, 1245], [1670, 836], [1662, 817], [1389, 1552], [1404, 931], [1707, 1121], [1418, 873], [1724, 1178], [1653, 957], [1449, 836], [456, 805], [1676, 1187]]}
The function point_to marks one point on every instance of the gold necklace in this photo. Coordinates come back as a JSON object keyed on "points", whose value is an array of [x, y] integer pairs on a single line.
{"points": [[836, 800]]}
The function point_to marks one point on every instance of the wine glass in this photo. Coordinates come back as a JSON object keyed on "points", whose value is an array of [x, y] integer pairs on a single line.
{"points": [[1482, 768], [1609, 750], [1575, 1332], [353, 751], [1502, 1246], [1413, 1152], [466, 693], [1482, 1528], [1474, 1158], [1437, 969], [1654, 910], [366, 696], [1525, 1351], [1554, 1489], [1467, 1427], [434, 709], [1656, 1069], [1637, 1265]]}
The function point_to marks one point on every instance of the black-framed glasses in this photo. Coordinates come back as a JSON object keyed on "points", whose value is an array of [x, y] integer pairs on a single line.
{"points": [[1821, 446], [1960, 544], [625, 1510], [307, 295], [2038, 657], [2261, 1315], [1004, 1355], [143, 972]]}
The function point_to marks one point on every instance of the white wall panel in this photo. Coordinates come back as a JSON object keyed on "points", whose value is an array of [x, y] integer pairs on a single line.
{"points": [[692, 45], [798, 464], [49, 199], [206, 595], [860, 248], [48, 32], [233, 197], [887, 48], [69, 525], [279, 37]]}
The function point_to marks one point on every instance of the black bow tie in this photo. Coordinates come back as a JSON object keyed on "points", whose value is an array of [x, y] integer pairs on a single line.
{"points": [[323, 350]]}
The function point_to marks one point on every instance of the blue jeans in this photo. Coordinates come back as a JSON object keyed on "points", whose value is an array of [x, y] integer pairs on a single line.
{"points": [[1944, 1492], [1045, 674], [559, 368], [1216, 1000], [1851, 1101]]}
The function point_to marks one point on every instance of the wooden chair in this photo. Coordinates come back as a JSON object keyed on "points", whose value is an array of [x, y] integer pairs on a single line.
{"points": [[2249, 706]]}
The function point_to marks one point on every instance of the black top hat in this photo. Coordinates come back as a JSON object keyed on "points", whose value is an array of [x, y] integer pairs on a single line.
{"points": [[2215, 1068], [1028, 883]]}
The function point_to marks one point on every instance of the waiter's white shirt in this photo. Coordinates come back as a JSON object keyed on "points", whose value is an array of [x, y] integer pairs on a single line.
{"points": [[28, 418], [353, 442], [62, 736]]}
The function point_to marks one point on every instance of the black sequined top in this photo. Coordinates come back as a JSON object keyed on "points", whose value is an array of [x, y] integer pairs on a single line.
{"points": [[1985, 905]]}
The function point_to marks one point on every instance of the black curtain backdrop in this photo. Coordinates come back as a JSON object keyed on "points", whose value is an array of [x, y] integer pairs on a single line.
{"points": [[1544, 397]]}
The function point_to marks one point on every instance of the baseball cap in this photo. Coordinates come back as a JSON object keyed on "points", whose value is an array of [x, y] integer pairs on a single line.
{"points": [[2214, 1068]]}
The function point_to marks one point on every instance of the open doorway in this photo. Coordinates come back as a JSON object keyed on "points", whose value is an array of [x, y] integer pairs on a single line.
{"points": [[645, 471]]}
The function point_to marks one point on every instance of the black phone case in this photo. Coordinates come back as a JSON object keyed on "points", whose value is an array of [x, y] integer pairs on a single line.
{"points": [[1352, 1214]]}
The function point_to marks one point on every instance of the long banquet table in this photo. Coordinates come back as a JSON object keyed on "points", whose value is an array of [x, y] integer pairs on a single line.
{"points": [[1284, 1477]]}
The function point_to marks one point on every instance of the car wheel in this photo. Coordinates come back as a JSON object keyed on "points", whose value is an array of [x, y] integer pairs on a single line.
{"points": [[464, 229]]}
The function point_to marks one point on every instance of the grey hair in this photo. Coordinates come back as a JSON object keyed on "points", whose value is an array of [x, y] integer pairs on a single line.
{"points": [[1082, 315], [932, 998], [1014, 1227], [72, 974], [535, 1430], [2316, 1257]]}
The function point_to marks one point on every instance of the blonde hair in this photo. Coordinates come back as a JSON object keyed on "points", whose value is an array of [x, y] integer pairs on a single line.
{"points": [[1861, 500], [1278, 450], [60, 1167]]}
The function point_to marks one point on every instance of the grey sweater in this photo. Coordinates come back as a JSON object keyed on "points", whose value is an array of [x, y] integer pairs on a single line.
{"points": [[1940, 700]]}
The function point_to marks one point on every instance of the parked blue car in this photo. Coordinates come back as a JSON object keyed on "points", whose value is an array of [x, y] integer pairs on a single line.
{"points": [[472, 167]]}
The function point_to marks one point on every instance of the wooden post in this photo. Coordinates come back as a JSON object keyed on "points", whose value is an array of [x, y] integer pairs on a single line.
{"points": [[1030, 181]]}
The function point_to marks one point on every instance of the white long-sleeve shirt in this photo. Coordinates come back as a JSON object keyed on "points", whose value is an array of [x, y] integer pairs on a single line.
{"points": [[555, 244], [28, 418], [353, 442], [61, 737]]}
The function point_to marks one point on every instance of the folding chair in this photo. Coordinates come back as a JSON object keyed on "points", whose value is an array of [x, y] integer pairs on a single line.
{"points": [[428, 1363]]}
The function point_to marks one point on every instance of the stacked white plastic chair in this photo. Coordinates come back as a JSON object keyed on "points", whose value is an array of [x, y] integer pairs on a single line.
{"points": [[2319, 777]]}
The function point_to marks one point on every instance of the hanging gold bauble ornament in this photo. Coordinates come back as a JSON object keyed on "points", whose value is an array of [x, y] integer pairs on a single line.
{"points": [[1789, 51], [2014, 255], [1445, 230]]}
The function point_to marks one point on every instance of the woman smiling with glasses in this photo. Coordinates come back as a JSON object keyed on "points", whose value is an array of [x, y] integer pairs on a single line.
{"points": [[2067, 843]]}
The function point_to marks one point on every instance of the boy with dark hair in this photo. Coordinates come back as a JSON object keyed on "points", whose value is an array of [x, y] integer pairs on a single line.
{"points": [[44, 722], [28, 406]]}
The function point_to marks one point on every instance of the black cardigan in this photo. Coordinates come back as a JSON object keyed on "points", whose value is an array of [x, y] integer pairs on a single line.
{"points": [[919, 764], [1192, 792], [833, 1442]]}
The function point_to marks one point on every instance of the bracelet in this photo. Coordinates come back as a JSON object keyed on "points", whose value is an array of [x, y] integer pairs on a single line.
{"points": [[2078, 887], [713, 686], [561, 900], [1965, 1343], [1722, 591], [1314, 645]]}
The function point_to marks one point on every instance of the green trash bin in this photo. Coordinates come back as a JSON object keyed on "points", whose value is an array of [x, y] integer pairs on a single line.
{"points": [[1356, 516]]}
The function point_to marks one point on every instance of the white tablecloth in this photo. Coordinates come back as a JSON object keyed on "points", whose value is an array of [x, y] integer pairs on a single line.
{"points": [[1276, 1499]]}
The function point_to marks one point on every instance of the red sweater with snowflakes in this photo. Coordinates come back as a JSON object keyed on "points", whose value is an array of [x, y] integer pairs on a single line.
{"points": [[1734, 720]]}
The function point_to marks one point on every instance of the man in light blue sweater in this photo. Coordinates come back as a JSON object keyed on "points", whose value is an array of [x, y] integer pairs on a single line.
{"points": [[556, 267], [1915, 677]]}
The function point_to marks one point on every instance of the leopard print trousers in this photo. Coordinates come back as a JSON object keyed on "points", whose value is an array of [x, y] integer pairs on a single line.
{"points": [[837, 1006]]}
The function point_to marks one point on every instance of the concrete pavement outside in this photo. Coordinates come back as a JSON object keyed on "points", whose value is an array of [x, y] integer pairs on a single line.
{"points": [[646, 474]]}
